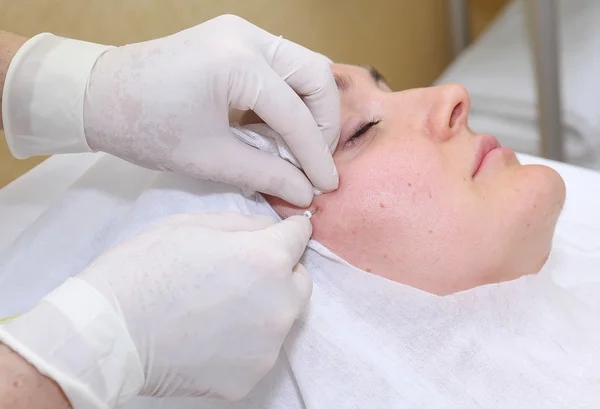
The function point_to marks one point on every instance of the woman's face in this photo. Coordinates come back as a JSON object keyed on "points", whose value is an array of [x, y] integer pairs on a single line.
{"points": [[424, 201]]}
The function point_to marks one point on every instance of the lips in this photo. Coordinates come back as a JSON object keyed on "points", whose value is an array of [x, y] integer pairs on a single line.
{"points": [[485, 144]]}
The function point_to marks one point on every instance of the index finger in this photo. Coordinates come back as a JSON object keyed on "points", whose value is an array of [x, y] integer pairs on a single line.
{"points": [[230, 221], [283, 110], [309, 74], [293, 233]]}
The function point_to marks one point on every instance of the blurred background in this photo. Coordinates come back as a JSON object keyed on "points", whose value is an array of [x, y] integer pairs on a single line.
{"points": [[407, 40]]}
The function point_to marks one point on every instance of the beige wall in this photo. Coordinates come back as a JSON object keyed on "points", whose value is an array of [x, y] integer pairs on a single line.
{"points": [[405, 39], [482, 12]]}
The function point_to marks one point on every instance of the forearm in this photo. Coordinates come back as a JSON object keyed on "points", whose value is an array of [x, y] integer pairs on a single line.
{"points": [[9, 44], [23, 387]]}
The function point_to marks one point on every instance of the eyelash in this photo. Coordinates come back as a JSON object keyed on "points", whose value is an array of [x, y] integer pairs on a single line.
{"points": [[361, 131]]}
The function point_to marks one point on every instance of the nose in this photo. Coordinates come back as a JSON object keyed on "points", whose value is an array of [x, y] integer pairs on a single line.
{"points": [[450, 112]]}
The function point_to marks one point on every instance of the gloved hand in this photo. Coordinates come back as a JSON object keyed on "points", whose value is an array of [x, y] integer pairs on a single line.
{"points": [[198, 305], [164, 104]]}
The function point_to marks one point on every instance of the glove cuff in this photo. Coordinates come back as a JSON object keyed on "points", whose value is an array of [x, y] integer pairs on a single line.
{"points": [[75, 337], [42, 104]]}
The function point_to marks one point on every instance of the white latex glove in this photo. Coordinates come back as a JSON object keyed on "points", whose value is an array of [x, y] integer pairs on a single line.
{"points": [[198, 305], [164, 104]]}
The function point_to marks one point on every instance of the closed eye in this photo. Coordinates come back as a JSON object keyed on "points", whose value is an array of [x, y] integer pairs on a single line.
{"points": [[362, 130]]}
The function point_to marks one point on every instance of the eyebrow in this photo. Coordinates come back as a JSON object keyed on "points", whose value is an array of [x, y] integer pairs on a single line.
{"points": [[345, 82], [376, 75]]}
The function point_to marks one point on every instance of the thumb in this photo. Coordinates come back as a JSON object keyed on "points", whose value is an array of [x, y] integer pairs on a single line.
{"points": [[304, 284], [291, 236]]}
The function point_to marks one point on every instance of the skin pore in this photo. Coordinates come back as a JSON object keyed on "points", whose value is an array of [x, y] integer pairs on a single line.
{"points": [[417, 204]]}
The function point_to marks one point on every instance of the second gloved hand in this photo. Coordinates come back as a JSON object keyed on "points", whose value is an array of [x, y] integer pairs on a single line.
{"points": [[198, 305]]}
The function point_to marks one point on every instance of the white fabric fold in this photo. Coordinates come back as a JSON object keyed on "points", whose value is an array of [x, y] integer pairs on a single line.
{"points": [[265, 139]]}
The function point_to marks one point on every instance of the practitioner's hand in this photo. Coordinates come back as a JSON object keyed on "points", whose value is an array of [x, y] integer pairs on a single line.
{"points": [[197, 305], [165, 104]]}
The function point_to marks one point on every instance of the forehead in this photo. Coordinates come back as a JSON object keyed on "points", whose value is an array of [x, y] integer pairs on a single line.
{"points": [[347, 76], [357, 87]]}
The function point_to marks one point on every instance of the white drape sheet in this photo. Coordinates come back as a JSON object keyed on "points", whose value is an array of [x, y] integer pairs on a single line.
{"points": [[364, 341]]}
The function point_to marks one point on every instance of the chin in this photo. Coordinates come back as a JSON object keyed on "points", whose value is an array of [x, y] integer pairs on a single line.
{"points": [[540, 196], [546, 186], [557, 183]]}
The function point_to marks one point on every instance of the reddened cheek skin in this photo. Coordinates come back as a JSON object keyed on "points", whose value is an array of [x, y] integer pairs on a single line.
{"points": [[435, 235]]}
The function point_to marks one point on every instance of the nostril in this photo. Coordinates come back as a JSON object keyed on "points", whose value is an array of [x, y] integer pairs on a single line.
{"points": [[456, 113]]}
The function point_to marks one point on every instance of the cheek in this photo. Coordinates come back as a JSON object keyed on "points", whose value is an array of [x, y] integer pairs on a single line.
{"points": [[384, 198]]}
